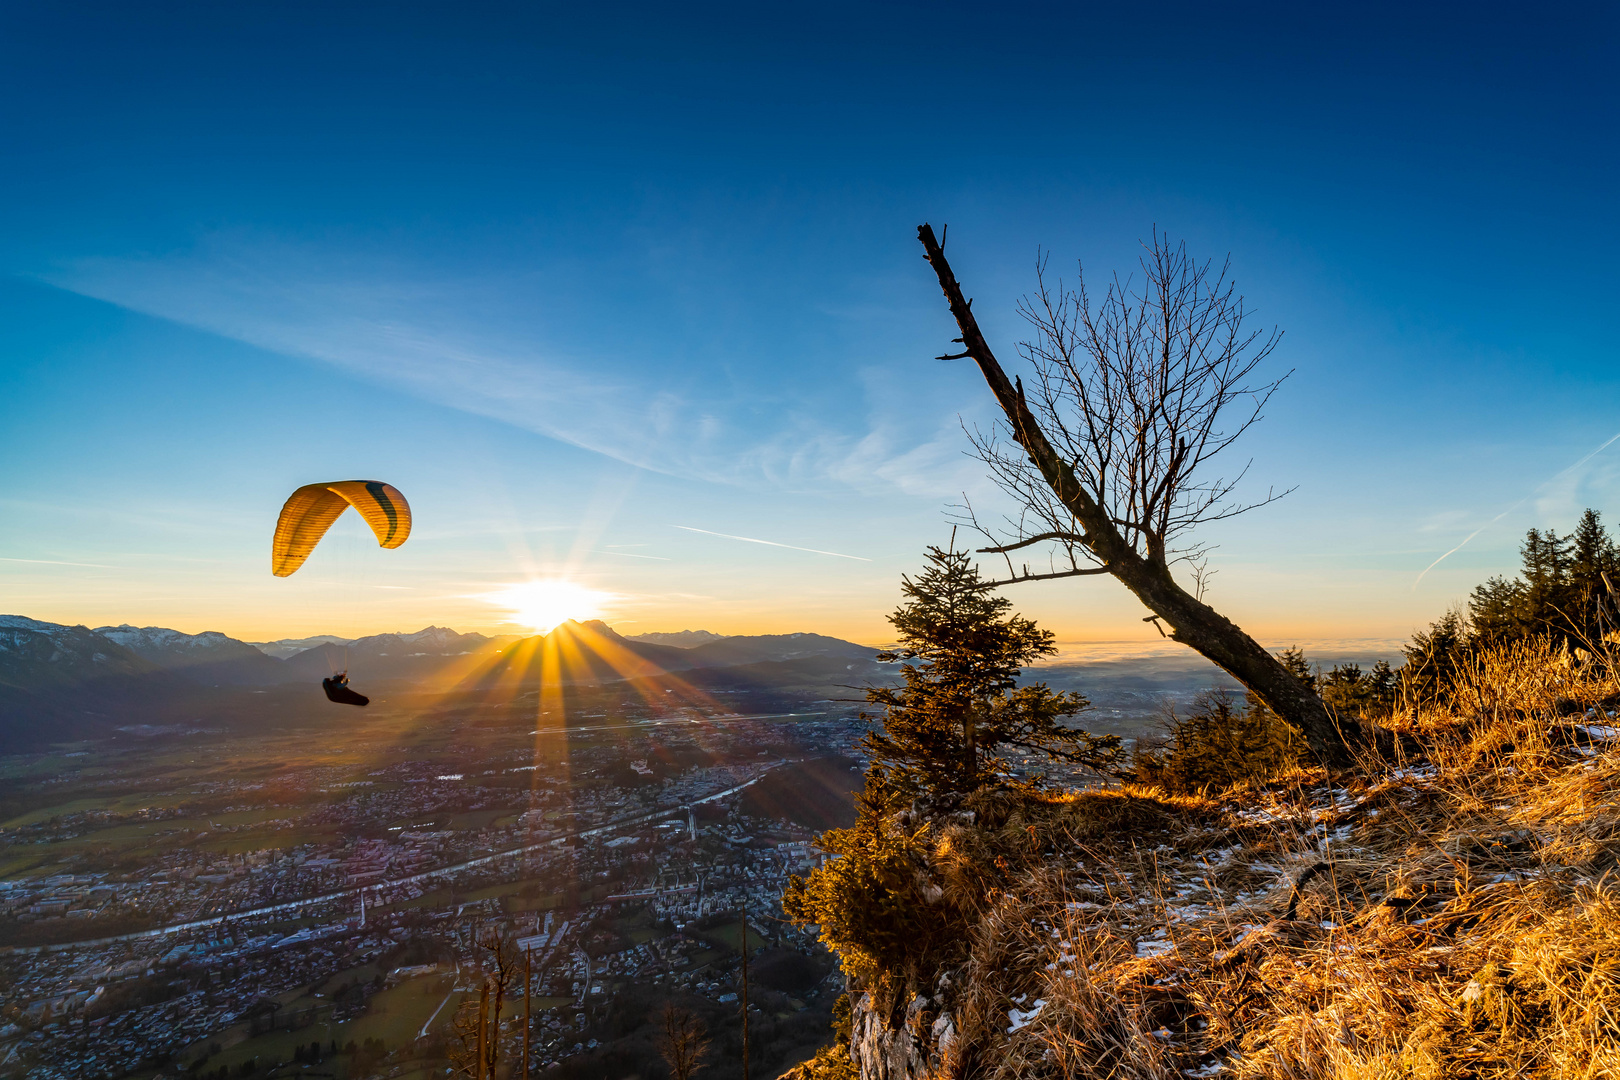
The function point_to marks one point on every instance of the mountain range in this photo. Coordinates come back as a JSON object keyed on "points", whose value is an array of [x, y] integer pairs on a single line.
{"points": [[293, 646], [681, 639], [61, 682]]}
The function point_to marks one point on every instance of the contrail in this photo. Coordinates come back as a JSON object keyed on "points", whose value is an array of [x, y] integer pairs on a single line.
{"points": [[1568, 469], [58, 562], [773, 543]]}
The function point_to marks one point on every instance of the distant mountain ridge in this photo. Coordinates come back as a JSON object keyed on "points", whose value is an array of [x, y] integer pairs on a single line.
{"points": [[60, 682], [681, 639], [36, 655], [430, 654], [580, 652], [776, 647], [293, 646], [64, 682], [209, 657]]}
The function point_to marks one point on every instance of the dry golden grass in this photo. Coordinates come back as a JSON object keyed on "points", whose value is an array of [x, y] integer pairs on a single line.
{"points": [[1457, 912]]}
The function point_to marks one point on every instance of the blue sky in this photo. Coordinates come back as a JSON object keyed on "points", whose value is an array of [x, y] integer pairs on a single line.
{"points": [[574, 278]]}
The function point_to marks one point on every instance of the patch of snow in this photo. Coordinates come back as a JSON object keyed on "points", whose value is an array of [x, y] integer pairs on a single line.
{"points": [[1020, 1018], [22, 622], [1262, 816], [1157, 945]]}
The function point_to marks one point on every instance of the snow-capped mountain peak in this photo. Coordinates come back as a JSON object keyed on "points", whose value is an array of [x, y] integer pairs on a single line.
{"points": [[22, 622], [144, 639]]}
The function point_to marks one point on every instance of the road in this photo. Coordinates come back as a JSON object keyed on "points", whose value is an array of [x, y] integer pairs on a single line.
{"points": [[426, 875], [663, 721]]}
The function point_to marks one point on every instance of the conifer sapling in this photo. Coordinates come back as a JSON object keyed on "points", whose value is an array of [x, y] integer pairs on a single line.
{"points": [[961, 653]]}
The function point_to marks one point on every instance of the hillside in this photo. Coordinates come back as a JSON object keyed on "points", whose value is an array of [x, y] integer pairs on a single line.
{"points": [[1447, 909]]}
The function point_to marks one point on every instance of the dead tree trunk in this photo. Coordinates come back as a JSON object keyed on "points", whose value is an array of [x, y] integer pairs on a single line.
{"points": [[1192, 622]]}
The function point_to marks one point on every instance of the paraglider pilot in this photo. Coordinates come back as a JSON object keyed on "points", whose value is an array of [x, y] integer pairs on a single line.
{"points": [[337, 689]]}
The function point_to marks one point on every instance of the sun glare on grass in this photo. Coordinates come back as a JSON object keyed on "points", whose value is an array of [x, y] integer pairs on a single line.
{"points": [[545, 604]]}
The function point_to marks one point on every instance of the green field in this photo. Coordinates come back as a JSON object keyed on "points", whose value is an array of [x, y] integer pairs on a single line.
{"points": [[474, 819], [729, 936], [395, 1015]]}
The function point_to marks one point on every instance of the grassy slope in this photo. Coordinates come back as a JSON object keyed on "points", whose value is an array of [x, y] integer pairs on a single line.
{"points": [[1456, 914]]}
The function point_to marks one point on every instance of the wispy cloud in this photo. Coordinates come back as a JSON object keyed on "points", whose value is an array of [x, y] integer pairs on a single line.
{"points": [[486, 345], [772, 543], [1564, 477]]}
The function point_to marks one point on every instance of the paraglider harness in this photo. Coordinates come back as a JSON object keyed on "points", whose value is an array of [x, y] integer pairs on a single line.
{"points": [[337, 689]]}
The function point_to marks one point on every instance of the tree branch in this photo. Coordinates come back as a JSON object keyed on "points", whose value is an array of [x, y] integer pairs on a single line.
{"points": [[1073, 538], [1078, 757], [1079, 572], [1107, 544]]}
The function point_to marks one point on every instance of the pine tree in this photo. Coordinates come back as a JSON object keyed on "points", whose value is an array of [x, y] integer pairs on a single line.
{"points": [[961, 653], [1562, 591], [1293, 658], [1433, 656], [1351, 692], [1592, 566], [1546, 558], [1499, 610], [1216, 744], [1384, 683]]}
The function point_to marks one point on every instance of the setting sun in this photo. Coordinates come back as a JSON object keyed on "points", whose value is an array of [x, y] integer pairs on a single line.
{"points": [[544, 604]]}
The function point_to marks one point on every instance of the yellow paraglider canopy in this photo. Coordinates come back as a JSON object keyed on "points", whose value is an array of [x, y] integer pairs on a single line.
{"points": [[310, 511]]}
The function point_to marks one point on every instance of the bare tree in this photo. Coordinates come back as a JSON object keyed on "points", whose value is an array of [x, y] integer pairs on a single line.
{"points": [[682, 1040], [528, 1007], [745, 985], [469, 1028], [1111, 454], [477, 1025]]}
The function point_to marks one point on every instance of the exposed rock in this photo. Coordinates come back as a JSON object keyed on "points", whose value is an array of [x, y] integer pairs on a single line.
{"points": [[919, 1046]]}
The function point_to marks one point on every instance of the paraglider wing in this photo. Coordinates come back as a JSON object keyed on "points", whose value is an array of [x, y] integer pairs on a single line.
{"points": [[310, 511]]}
